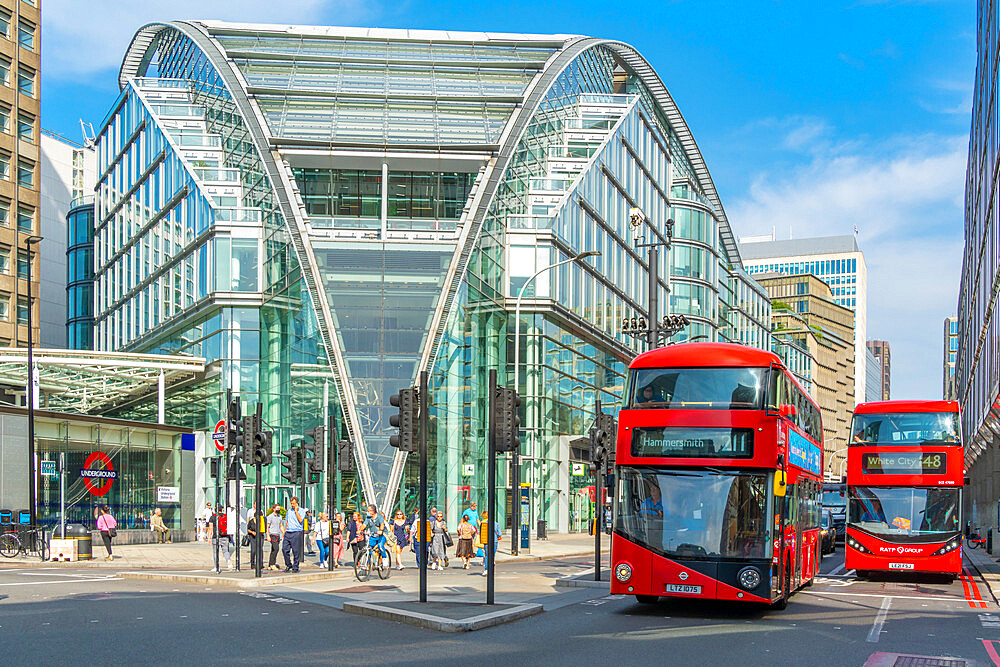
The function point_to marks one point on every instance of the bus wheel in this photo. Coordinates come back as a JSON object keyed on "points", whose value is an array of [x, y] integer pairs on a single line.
{"points": [[862, 574], [646, 599]]}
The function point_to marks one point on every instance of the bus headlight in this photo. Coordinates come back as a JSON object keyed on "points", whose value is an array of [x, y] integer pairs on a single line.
{"points": [[854, 544], [623, 572], [749, 578], [949, 546]]}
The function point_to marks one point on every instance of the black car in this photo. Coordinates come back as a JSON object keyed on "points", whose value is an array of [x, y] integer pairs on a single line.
{"points": [[827, 533], [835, 501]]}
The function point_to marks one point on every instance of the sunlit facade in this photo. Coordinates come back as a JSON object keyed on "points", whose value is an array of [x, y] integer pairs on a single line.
{"points": [[322, 213]]}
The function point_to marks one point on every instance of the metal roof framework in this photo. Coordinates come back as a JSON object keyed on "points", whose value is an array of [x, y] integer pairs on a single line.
{"points": [[84, 381]]}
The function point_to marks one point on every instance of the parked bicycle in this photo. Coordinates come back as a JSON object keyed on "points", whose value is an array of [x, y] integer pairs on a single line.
{"points": [[975, 539], [26, 541], [370, 558]]}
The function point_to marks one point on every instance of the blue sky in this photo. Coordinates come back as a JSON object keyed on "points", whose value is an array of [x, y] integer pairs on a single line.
{"points": [[813, 116]]}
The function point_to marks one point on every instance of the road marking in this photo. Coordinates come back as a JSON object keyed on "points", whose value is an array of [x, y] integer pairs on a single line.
{"points": [[874, 595], [989, 620], [62, 574], [60, 581], [835, 570], [876, 631], [975, 600], [991, 650]]}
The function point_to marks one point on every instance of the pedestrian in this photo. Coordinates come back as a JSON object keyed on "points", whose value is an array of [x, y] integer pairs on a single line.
{"points": [[160, 528], [376, 529], [227, 528], [401, 530], [108, 527], [321, 533], [253, 535], [291, 541], [439, 552], [484, 536], [337, 539], [356, 533], [472, 514], [275, 529], [466, 531], [308, 533]]}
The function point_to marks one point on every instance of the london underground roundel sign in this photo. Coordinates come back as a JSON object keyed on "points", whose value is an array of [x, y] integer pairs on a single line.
{"points": [[220, 435], [98, 480]]}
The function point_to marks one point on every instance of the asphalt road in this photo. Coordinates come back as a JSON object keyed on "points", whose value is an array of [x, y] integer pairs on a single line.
{"points": [[80, 615]]}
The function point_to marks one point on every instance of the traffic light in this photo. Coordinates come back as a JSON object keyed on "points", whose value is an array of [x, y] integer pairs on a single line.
{"points": [[290, 465], [407, 421], [214, 467], [345, 452], [263, 447], [508, 420], [315, 448], [602, 439], [232, 426], [246, 440]]}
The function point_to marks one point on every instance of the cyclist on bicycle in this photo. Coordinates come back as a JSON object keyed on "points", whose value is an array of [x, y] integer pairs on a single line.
{"points": [[376, 528]]}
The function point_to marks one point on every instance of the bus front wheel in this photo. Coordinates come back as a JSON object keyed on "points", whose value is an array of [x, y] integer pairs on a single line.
{"points": [[646, 599]]}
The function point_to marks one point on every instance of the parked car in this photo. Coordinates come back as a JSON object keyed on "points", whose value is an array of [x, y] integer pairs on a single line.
{"points": [[828, 533], [835, 500]]}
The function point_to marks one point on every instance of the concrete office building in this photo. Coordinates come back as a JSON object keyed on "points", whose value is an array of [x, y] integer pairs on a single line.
{"points": [[949, 391], [838, 261], [68, 171], [20, 65], [804, 309], [976, 370], [873, 383], [322, 213], [882, 352]]}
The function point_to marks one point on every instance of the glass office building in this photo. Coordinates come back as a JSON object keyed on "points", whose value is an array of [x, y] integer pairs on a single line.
{"points": [[322, 213], [80, 274]]}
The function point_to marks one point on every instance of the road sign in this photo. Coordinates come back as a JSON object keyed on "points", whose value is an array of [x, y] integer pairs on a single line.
{"points": [[168, 494], [49, 469], [220, 435]]}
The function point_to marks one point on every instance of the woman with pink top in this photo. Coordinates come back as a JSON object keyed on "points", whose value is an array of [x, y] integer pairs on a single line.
{"points": [[108, 527]]}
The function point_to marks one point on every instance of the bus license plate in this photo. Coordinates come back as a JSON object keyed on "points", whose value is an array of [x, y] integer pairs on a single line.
{"points": [[682, 588], [900, 566]]}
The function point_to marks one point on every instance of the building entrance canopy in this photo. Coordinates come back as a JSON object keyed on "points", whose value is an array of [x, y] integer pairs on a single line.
{"points": [[83, 381]]}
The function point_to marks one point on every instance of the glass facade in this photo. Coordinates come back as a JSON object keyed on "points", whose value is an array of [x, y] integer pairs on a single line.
{"points": [[378, 219], [80, 274]]}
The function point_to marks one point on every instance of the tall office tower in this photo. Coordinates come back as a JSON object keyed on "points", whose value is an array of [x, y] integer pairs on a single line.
{"points": [[838, 261], [873, 383], [880, 348], [19, 171]]}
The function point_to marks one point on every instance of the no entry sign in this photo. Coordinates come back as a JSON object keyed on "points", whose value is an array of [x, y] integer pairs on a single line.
{"points": [[220, 435]]}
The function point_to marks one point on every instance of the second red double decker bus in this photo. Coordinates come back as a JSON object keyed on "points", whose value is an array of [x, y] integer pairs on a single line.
{"points": [[905, 473], [718, 470]]}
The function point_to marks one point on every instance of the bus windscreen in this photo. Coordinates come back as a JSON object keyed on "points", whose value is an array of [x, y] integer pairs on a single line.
{"points": [[904, 511], [905, 428], [693, 442]]}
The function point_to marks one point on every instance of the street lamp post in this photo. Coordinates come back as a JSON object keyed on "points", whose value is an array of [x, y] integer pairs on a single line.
{"points": [[515, 458], [30, 241]]}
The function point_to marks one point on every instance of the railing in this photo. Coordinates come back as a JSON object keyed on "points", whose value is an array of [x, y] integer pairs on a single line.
{"points": [[155, 82], [605, 98], [603, 124], [83, 200], [217, 175], [225, 214], [572, 152], [209, 140], [185, 110], [549, 184]]}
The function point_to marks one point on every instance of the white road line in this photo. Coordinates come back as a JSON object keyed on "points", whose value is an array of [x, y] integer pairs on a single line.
{"points": [[875, 595], [876, 630], [62, 574], [61, 581], [835, 570]]}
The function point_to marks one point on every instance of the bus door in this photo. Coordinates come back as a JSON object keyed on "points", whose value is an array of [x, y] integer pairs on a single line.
{"points": [[779, 557]]}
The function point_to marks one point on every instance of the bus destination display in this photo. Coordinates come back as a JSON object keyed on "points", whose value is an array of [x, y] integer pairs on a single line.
{"points": [[683, 442], [904, 463]]}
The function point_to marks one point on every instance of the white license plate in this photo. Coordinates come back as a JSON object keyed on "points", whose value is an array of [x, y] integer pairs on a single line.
{"points": [[682, 588], [900, 566]]}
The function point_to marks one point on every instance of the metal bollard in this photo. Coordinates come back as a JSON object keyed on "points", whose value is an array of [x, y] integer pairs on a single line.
{"points": [[989, 541]]}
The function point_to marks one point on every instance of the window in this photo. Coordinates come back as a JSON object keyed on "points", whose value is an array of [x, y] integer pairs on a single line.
{"points": [[26, 219], [4, 212], [25, 126], [4, 307], [26, 34], [5, 23], [4, 71], [4, 259], [702, 388], [5, 165], [26, 81], [22, 264], [25, 173], [22, 311]]}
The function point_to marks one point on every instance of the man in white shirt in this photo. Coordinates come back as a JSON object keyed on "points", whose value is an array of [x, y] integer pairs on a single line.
{"points": [[204, 518]]}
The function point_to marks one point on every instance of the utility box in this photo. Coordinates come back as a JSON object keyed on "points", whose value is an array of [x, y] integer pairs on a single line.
{"points": [[63, 550]]}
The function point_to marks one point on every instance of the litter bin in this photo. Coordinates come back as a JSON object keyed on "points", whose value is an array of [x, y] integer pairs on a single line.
{"points": [[542, 532], [84, 546]]}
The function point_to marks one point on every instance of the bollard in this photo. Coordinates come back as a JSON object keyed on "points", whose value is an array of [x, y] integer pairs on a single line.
{"points": [[989, 541]]}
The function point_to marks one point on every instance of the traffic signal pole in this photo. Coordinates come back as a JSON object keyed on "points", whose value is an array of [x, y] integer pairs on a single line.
{"points": [[491, 487], [598, 500], [332, 472], [422, 529]]}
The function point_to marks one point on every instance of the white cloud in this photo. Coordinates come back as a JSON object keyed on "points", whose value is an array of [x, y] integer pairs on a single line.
{"points": [[906, 197], [80, 39]]}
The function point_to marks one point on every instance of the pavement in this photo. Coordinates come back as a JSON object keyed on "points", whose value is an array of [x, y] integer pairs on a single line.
{"points": [[988, 568]]}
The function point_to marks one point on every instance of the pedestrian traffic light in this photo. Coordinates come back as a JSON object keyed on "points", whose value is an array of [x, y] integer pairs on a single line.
{"points": [[508, 420], [345, 452], [315, 448], [291, 465], [246, 440], [407, 421]]}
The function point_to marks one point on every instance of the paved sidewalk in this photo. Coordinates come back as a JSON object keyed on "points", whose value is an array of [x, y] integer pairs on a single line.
{"points": [[988, 567], [198, 555]]}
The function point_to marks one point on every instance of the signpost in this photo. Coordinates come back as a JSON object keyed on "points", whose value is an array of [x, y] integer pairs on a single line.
{"points": [[49, 468]]}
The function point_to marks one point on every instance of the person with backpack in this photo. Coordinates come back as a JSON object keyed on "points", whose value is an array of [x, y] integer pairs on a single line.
{"points": [[108, 527]]}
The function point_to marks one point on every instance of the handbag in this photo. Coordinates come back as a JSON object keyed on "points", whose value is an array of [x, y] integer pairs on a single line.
{"points": [[336, 540], [245, 541], [325, 542], [391, 540], [113, 532], [448, 542]]}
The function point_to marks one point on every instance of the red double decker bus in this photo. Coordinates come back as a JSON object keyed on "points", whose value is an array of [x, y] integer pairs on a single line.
{"points": [[718, 471], [905, 472]]}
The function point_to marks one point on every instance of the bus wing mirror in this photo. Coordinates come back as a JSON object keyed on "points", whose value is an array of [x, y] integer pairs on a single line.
{"points": [[779, 484], [769, 397]]}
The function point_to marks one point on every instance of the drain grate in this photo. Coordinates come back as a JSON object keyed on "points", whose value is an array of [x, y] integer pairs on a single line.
{"points": [[928, 661]]}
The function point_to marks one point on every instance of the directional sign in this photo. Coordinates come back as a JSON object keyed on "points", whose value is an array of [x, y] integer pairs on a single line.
{"points": [[220, 435], [49, 469]]}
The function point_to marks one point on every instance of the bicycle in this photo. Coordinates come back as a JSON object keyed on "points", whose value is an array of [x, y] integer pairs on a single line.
{"points": [[371, 557], [31, 540], [974, 540]]}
